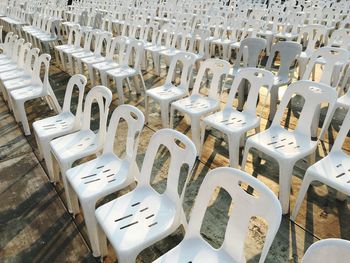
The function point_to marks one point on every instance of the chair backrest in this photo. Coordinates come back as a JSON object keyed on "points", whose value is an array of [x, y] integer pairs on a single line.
{"points": [[135, 120], [133, 50], [104, 40], [314, 95], [219, 68], [312, 35], [342, 134], [152, 31], [340, 38], [17, 48], [74, 36], [257, 79], [117, 46], [333, 58], [22, 54], [288, 52], [182, 152], [7, 47], [263, 204], [203, 47], [78, 81], [187, 60], [250, 50], [164, 36], [91, 39], [31, 56], [103, 97], [328, 250], [43, 59]]}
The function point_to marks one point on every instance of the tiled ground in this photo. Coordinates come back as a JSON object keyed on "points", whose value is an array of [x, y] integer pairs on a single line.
{"points": [[36, 227]]}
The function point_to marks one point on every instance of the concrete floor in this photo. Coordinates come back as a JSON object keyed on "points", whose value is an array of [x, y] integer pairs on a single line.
{"points": [[36, 227]]}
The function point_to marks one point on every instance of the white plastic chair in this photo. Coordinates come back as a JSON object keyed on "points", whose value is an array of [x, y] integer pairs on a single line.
{"points": [[289, 146], [262, 203], [170, 92], [333, 61], [198, 105], [38, 88], [288, 52], [310, 36], [107, 173], [72, 147], [142, 217], [88, 56], [236, 124], [117, 48], [124, 71], [328, 250], [74, 39], [59, 125], [332, 170]]}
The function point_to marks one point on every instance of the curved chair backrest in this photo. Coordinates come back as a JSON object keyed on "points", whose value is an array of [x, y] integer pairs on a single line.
{"points": [[328, 250], [137, 47], [31, 56], [45, 60], [151, 27], [164, 36], [314, 94], [74, 37], [135, 120], [182, 152], [219, 68], [333, 57], [78, 81], [103, 97], [250, 50], [340, 38], [342, 134], [91, 38], [7, 43], [251, 27], [117, 44], [311, 35], [16, 48], [257, 78], [105, 38], [22, 54], [288, 52], [263, 204], [203, 48], [187, 60]]}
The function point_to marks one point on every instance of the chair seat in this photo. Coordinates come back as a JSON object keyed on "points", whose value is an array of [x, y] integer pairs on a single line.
{"points": [[344, 101], [196, 104], [226, 41], [75, 145], [106, 65], [17, 83], [27, 93], [73, 50], [122, 71], [156, 48], [334, 170], [169, 93], [8, 67], [103, 175], [170, 52], [6, 61], [82, 54], [55, 126], [280, 81], [287, 36], [61, 47], [136, 219], [13, 74], [231, 120], [195, 250], [93, 59], [278, 142]]}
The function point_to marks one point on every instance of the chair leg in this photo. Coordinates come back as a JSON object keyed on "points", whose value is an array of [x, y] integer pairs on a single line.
{"points": [[245, 155], [146, 109], [23, 117], [88, 207], [285, 179], [273, 102], [91, 75], [119, 86], [308, 178], [164, 112], [196, 133], [233, 146]]}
